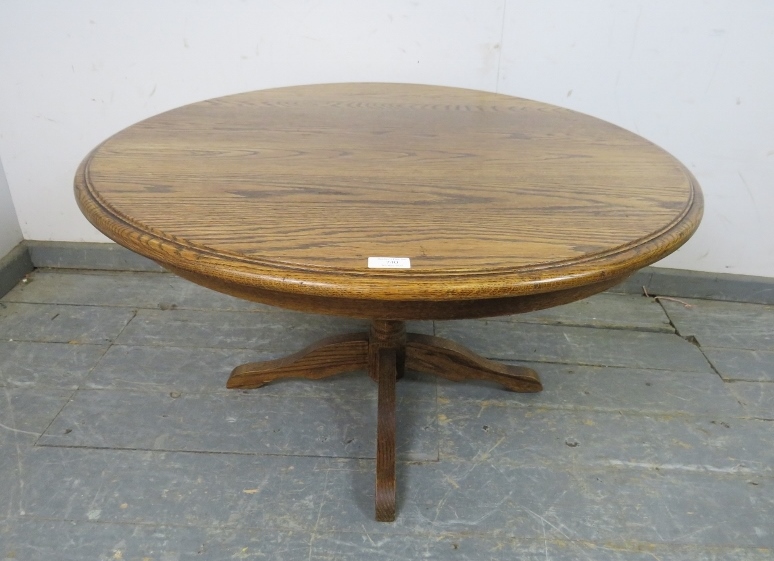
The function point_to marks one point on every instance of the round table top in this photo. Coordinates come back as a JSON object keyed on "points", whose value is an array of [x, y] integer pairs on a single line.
{"points": [[291, 190]]}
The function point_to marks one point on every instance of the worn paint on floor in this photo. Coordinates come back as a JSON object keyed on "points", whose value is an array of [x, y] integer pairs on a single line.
{"points": [[118, 439]]}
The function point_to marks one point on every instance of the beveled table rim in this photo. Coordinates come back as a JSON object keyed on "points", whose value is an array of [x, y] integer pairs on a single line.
{"points": [[459, 284]]}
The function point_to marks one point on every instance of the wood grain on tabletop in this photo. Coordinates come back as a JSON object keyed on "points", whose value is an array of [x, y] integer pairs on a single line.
{"points": [[291, 190]]}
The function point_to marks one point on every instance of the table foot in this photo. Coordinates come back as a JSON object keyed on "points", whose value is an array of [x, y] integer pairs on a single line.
{"points": [[386, 373], [327, 357], [450, 360]]}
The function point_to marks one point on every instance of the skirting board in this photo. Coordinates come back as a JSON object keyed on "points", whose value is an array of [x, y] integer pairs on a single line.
{"points": [[657, 281], [13, 267], [84, 255]]}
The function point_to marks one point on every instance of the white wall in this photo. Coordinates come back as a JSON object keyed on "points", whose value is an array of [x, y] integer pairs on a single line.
{"points": [[692, 75], [10, 233]]}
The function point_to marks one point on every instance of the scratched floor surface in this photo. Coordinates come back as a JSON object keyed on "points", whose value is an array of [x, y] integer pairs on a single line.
{"points": [[118, 440]]}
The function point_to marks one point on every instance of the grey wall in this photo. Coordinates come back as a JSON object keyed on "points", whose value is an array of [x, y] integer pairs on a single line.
{"points": [[10, 233]]}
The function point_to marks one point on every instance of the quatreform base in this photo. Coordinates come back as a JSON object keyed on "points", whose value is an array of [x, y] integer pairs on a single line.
{"points": [[385, 352]]}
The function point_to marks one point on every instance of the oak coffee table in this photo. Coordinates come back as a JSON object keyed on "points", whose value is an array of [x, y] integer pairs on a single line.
{"points": [[390, 202]]}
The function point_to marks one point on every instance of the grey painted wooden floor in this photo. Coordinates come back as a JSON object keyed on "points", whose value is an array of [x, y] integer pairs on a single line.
{"points": [[653, 439]]}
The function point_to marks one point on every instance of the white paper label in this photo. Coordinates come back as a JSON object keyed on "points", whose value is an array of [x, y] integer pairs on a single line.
{"points": [[389, 263]]}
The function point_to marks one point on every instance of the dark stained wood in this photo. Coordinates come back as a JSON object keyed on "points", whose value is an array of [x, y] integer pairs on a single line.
{"points": [[357, 351], [386, 350], [385, 436], [327, 357], [503, 205], [450, 360], [405, 309], [386, 335]]}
